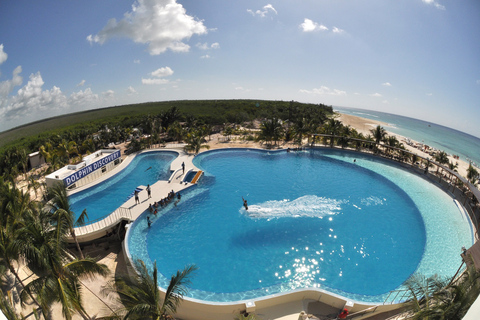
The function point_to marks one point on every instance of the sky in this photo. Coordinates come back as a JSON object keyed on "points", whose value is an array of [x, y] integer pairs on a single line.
{"points": [[417, 58]]}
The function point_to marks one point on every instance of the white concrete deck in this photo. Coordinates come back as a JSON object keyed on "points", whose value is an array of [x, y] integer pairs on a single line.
{"points": [[129, 210]]}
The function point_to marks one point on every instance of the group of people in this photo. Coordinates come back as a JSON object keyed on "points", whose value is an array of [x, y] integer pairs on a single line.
{"points": [[163, 202], [137, 199]]}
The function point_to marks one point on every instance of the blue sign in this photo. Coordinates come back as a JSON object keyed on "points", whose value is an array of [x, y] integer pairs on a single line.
{"points": [[71, 179]]}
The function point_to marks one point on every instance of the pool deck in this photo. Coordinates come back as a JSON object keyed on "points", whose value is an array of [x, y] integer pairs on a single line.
{"points": [[130, 210]]}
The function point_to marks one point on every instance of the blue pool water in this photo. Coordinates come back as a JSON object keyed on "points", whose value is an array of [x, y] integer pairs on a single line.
{"points": [[104, 198], [315, 219]]}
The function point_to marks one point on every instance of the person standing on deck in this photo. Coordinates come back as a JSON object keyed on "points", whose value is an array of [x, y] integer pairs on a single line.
{"points": [[137, 200], [183, 167], [149, 192]]}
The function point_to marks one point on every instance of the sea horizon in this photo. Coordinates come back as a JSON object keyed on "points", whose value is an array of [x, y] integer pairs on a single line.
{"points": [[452, 141]]}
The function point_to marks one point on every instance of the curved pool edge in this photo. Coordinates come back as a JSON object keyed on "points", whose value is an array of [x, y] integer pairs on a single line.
{"points": [[98, 229], [125, 162], [193, 308]]}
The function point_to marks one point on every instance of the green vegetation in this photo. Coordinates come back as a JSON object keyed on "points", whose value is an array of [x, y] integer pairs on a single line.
{"points": [[141, 296], [64, 138], [435, 298], [32, 233], [35, 232]]}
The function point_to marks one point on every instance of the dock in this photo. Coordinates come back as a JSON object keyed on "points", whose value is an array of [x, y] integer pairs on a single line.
{"points": [[130, 211]]}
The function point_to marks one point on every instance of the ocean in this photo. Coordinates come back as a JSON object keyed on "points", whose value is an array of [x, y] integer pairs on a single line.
{"points": [[452, 141]]}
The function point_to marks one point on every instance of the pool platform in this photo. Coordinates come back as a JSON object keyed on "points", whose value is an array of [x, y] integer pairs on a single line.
{"points": [[129, 210]]}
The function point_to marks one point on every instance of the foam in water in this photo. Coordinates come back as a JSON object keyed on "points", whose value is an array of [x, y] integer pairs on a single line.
{"points": [[305, 206]]}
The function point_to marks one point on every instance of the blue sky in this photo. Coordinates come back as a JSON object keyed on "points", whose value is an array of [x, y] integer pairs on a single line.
{"points": [[418, 58]]}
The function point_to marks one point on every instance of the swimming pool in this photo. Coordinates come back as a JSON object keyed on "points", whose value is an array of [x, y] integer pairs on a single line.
{"points": [[102, 199], [316, 219]]}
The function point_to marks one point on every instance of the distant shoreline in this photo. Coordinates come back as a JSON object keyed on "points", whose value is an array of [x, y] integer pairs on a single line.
{"points": [[364, 125]]}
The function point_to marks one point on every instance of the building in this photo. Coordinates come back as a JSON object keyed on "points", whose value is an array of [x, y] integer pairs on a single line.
{"points": [[36, 160], [89, 169]]}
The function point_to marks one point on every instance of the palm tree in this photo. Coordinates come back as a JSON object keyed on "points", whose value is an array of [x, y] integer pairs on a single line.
{"points": [[332, 127], [15, 208], [344, 139], [301, 127], [441, 301], [141, 296], [421, 290], [271, 129], [61, 283], [33, 184], [379, 133], [62, 212], [176, 131], [7, 308], [195, 140], [472, 174], [23, 161], [453, 166]]}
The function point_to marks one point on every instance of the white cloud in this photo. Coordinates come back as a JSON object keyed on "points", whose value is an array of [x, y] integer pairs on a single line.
{"points": [[159, 74], [337, 30], [32, 98], [310, 26], [205, 46], [154, 81], [386, 84], [6, 87], [323, 90], [3, 55], [263, 12], [136, 61], [376, 95], [434, 3], [162, 24], [109, 94], [131, 91], [202, 46], [162, 72], [205, 57], [81, 98], [81, 84]]}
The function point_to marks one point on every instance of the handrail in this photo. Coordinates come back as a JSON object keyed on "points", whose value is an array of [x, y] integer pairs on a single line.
{"points": [[173, 174], [114, 217], [362, 312], [474, 191]]}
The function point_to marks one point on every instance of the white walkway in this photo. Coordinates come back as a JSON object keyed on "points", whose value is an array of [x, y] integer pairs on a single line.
{"points": [[131, 211]]}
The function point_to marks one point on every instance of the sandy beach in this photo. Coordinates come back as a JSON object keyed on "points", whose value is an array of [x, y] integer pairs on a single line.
{"points": [[363, 125]]}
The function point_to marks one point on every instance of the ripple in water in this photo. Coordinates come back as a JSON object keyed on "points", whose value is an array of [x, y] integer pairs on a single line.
{"points": [[305, 206]]}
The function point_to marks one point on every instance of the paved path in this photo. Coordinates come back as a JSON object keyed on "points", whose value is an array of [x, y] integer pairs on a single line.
{"points": [[130, 210]]}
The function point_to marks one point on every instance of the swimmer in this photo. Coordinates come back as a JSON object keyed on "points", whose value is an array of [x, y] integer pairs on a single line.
{"points": [[148, 168], [245, 204], [149, 222]]}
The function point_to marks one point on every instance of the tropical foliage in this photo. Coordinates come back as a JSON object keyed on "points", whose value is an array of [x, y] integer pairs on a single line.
{"points": [[434, 298], [141, 297], [32, 233]]}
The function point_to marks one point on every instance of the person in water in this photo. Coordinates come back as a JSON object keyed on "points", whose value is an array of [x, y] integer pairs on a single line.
{"points": [[149, 222], [245, 204]]}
